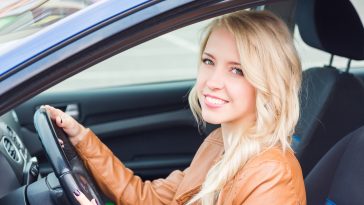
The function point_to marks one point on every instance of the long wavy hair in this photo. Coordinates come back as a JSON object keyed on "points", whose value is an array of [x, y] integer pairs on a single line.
{"points": [[271, 64]]}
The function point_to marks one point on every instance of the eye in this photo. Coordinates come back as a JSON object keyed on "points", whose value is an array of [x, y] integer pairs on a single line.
{"points": [[207, 61], [237, 71]]}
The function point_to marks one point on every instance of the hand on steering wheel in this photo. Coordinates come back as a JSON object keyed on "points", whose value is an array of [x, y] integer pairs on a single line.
{"points": [[71, 127], [59, 133], [82, 199]]}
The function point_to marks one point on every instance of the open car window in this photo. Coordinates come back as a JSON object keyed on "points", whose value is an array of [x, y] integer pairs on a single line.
{"points": [[170, 57]]}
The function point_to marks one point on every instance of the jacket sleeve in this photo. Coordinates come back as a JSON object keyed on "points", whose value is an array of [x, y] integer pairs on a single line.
{"points": [[270, 182], [118, 182]]}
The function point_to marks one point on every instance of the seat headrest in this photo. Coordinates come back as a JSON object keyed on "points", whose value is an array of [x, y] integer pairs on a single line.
{"points": [[333, 26]]}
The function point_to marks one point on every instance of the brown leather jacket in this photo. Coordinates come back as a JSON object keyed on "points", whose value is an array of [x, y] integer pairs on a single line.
{"points": [[273, 177]]}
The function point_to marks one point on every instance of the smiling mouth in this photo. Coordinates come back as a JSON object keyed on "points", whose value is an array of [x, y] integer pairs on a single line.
{"points": [[212, 101]]}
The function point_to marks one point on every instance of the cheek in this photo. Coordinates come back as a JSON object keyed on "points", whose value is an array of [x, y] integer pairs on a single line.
{"points": [[201, 79], [244, 93], [250, 98]]}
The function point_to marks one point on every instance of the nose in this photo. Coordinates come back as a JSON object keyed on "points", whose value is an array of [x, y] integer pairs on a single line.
{"points": [[215, 80]]}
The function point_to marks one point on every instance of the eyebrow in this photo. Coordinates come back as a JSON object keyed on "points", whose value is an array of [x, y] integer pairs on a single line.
{"points": [[212, 56]]}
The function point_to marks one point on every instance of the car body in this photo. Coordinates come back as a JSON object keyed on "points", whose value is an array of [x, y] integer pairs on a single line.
{"points": [[148, 126]]}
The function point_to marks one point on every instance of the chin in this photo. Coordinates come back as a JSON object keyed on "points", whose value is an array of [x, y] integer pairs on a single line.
{"points": [[211, 119]]}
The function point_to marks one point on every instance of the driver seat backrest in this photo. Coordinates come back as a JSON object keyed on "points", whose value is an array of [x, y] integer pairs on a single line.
{"points": [[331, 100], [338, 178]]}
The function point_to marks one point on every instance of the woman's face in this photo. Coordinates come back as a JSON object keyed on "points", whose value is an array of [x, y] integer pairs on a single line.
{"points": [[226, 97]]}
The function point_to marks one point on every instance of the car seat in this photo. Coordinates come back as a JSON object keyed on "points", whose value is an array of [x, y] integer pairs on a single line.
{"points": [[331, 100], [338, 178]]}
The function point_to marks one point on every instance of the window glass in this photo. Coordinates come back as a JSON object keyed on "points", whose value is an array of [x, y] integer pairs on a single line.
{"points": [[22, 18], [173, 56]]}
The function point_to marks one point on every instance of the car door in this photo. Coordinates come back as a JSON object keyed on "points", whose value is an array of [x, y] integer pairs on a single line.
{"points": [[149, 127]]}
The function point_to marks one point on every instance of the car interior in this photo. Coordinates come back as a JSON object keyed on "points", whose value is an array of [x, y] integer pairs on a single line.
{"points": [[331, 99], [330, 129], [149, 127]]}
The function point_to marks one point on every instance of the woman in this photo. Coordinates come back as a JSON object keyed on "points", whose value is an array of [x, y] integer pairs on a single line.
{"points": [[248, 82]]}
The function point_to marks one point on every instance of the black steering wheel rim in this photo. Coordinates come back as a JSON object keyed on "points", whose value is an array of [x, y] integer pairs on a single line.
{"points": [[67, 166]]}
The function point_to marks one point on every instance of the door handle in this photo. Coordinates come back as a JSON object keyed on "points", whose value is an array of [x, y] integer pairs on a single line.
{"points": [[73, 111]]}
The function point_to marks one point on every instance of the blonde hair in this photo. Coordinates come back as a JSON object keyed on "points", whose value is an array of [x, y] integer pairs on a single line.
{"points": [[271, 64]]}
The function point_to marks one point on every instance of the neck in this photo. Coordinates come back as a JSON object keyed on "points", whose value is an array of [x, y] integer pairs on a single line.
{"points": [[232, 129], [228, 130]]}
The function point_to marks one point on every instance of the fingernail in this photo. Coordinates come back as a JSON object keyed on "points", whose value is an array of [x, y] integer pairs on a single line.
{"points": [[76, 192]]}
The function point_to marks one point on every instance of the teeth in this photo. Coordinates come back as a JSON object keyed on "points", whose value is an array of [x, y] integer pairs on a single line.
{"points": [[215, 101]]}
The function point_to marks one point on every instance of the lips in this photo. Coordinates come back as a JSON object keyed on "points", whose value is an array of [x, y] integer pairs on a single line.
{"points": [[214, 101]]}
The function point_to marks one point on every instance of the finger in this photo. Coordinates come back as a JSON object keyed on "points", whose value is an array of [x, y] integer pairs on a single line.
{"points": [[61, 142], [70, 125], [53, 113], [57, 115], [94, 202], [60, 121], [65, 121], [81, 198]]}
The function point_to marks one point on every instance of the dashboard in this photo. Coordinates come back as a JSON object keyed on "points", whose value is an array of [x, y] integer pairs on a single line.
{"points": [[17, 166]]}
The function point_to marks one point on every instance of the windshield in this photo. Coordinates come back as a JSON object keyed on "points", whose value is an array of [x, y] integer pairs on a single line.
{"points": [[22, 18]]}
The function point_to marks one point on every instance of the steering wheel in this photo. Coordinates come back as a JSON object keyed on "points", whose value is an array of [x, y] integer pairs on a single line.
{"points": [[65, 161]]}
